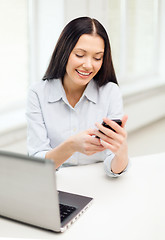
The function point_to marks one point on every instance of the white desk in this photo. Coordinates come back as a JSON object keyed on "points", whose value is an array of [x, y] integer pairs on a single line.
{"points": [[131, 207]]}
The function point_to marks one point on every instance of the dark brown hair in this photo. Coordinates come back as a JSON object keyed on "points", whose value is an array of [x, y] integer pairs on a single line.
{"points": [[67, 41]]}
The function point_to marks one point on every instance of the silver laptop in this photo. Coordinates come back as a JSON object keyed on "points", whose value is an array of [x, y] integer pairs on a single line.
{"points": [[28, 193]]}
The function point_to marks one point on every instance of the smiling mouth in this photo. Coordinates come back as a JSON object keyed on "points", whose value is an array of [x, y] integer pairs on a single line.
{"points": [[83, 73]]}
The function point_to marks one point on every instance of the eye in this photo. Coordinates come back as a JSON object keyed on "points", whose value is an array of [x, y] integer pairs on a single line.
{"points": [[98, 59], [79, 56]]}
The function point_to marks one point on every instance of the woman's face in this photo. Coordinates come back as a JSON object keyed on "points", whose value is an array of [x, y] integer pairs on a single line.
{"points": [[85, 60]]}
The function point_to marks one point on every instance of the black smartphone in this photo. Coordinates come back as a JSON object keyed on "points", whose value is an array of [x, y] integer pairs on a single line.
{"points": [[118, 121]]}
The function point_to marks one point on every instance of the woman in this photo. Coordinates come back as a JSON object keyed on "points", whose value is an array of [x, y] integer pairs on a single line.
{"points": [[79, 90]]}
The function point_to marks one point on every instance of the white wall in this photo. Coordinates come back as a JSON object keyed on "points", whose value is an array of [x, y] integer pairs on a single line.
{"points": [[144, 106], [47, 21]]}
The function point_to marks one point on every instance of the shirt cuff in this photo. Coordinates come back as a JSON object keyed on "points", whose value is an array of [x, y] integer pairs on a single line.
{"points": [[107, 167], [40, 154]]}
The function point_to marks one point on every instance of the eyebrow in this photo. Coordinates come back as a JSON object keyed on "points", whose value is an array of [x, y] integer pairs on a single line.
{"points": [[86, 51]]}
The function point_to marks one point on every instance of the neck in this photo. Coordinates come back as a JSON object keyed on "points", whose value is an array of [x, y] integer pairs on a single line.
{"points": [[73, 93]]}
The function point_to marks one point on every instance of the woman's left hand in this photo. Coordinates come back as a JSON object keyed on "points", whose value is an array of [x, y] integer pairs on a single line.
{"points": [[110, 139], [116, 142]]}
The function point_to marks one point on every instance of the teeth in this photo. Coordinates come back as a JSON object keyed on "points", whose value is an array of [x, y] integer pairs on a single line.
{"points": [[83, 73]]}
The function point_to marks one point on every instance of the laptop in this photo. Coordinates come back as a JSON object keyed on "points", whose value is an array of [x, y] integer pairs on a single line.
{"points": [[28, 193]]}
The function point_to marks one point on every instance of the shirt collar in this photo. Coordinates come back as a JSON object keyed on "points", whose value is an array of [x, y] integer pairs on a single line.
{"points": [[56, 91], [91, 91]]}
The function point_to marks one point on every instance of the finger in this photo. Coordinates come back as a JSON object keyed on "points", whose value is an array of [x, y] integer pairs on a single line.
{"points": [[110, 133], [94, 148], [112, 124], [90, 132], [105, 144], [103, 136], [109, 146], [98, 134], [95, 141], [124, 120]]}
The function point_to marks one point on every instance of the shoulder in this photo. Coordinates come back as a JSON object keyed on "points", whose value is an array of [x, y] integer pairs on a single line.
{"points": [[38, 86], [110, 88], [44, 87]]}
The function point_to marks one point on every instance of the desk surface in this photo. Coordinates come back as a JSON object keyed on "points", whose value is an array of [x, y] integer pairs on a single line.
{"points": [[130, 207]]}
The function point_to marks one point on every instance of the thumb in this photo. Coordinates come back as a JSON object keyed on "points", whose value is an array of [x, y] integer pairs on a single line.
{"points": [[124, 120], [90, 132]]}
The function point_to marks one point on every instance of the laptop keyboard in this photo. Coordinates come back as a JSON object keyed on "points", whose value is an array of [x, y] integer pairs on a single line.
{"points": [[65, 211]]}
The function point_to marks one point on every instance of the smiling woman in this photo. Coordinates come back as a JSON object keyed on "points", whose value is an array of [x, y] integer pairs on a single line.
{"points": [[79, 90], [83, 64]]}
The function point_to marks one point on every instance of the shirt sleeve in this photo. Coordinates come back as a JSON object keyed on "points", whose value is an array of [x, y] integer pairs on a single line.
{"points": [[115, 112], [38, 143], [107, 167]]}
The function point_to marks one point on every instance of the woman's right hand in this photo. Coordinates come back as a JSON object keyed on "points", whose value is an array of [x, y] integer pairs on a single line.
{"points": [[85, 142]]}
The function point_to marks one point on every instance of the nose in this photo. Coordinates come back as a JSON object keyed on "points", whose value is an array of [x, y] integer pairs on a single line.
{"points": [[87, 63]]}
